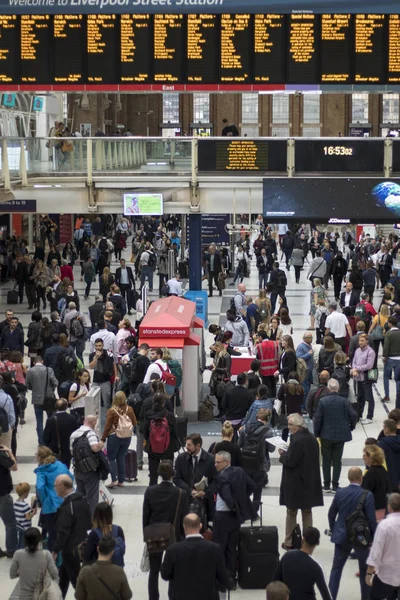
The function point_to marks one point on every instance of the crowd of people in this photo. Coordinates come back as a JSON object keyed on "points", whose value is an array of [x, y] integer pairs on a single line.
{"points": [[311, 396]]}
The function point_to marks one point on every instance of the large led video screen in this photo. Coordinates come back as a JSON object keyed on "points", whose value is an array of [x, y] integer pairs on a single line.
{"points": [[361, 200]]}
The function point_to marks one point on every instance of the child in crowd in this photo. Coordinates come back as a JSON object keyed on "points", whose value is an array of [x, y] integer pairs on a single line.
{"points": [[23, 512]]}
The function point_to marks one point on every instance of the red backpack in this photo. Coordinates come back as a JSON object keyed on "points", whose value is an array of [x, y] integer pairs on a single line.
{"points": [[166, 376], [159, 435]]}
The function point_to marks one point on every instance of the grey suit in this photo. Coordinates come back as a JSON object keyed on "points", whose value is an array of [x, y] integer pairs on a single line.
{"points": [[36, 381]]}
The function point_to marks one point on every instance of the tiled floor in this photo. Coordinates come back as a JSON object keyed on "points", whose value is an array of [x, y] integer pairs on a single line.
{"points": [[128, 505]]}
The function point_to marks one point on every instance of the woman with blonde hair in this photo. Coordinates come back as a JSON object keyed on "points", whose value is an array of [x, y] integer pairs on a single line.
{"points": [[227, 445], [376, 478], [47, 471], [316, 293], [378, 326], [124, 331], [120, 421], [41, 279], [264, 306], [105, 282], [54, 269]]}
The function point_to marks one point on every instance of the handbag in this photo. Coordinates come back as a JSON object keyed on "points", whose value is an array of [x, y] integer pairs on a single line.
{"points": [[372, 375], [49, 403], [221, 281], [145, 560], [45, 587], [315, 270], [159, 536], [108, 588], [378, 332]]}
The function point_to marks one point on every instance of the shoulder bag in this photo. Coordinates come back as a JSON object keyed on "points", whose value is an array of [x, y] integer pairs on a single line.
{"points": [[315, 270], [159, 536], [58, 453], [378, 332], [45, 587], [49, 403], [108, 588]]}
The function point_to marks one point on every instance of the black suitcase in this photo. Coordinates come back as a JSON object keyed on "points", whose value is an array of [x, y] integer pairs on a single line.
{"points": [[12, 297], [131, 469], [181, 430], [258, 556]]}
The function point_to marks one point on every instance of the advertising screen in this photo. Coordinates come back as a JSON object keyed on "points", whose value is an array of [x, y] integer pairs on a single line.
{"points": [[369, 200], [141, 205]]}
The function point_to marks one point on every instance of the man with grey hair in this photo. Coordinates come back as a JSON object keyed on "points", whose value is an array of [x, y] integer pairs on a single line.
{"points": [[75, 323], [334, 420], [384, 558], [301, 477], [337, 324], [233, 507]]}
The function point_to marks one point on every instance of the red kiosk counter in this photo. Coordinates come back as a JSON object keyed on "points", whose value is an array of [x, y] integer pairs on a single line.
{"points": [[172, 323]]}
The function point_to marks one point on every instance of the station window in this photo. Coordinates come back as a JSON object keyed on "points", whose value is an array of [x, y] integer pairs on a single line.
{"points": [[201, 108], [390, 108], [65, 107], [250, 108], [280, 109], [280, 131], [170, 108], [359, 108]]}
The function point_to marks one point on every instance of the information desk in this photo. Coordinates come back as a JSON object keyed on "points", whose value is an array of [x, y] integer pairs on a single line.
{"points": [[199, 49], [241, 364]]}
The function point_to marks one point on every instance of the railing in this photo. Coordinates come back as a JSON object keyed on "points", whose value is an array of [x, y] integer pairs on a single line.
{"points": [[23, 160]]}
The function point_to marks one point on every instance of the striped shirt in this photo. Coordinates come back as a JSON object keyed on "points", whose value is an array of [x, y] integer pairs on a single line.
{"points": [[21, 508]]}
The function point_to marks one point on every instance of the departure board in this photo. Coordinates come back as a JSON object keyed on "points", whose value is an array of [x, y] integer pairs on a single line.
{"points": [[235, 48], [302, 64], [135, 48], [335, 48], [35, 49], [168, 48], [269, 48], [102, 51], [8, 48], [394, 49], [202, 48], [327, 155], [370, 48], [242, 155], [67, 42]]}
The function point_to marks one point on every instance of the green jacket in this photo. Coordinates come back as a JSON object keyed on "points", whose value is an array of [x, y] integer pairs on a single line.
{"points": [[391, 345]]}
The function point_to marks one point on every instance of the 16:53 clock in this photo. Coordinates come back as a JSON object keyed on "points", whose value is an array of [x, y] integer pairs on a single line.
{"points": [[338, 151], [327, 155]]}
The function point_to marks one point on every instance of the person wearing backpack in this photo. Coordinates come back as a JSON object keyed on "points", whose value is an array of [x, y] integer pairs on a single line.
{"points": [[344, 505], [278, 280], [7, 416], [148, 261], [118, 430], [160, 435], [157, 364], [75, 323], [102, 526]]}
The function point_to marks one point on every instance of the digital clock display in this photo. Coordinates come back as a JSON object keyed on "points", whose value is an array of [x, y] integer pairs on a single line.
{"points": [[351, 156]]}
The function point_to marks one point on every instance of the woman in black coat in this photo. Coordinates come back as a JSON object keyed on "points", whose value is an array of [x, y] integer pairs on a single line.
{"points": [[53, 254], [159, 412], [376, 478], [326, 355], [287, 361]]}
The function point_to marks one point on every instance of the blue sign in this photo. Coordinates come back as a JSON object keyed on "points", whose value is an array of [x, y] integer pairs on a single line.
{"points": [[212, 230], [9, 100], [194, 6], [18, 206], [37, 104], [200, 298]]}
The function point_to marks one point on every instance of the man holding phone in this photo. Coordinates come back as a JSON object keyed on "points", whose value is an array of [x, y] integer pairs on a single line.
{"points": [[8, 463]]}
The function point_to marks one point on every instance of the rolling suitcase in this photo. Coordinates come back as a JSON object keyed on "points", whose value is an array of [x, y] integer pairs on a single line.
{"points": [[258, 556], [12, 297], [131, 469]]}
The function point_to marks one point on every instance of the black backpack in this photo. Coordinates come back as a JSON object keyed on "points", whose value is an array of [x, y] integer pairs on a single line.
{"points": [[232, 304], [76, 327], [130, 369], [252, 452], [4, 424], [281, 280], [357, 525], [85, 460], [322, 322], [65, 366], [103, 246], [152, 260], [135, 401]]}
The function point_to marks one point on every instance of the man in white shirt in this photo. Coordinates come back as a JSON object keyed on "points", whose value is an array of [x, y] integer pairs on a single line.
{"points": [[109, 338], [337, 324], [147, 265], [174, 286], [383, 562], [157, 364]]}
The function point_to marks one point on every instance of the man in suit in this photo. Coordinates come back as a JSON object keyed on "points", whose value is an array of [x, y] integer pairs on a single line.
{"points": [[95, 311], [213, 264], [334, 420], [263, 266], [237, 399], [159, 506], [202, 559], [349, 297], [344, 504], [36, 379], [233, 507], [125, 280], [190, 468], [58, 430]]}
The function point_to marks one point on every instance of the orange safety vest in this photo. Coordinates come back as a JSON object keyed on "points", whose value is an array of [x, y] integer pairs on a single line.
{"points": [[268, 354]]}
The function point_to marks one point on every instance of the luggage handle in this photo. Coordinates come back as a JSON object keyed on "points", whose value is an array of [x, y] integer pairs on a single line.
{"points": [[260, 505]]}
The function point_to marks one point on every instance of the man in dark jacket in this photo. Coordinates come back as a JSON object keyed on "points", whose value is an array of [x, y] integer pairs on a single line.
{"points": [[349, 297], [194, 567], [334, 420], [95, 311], [317, 391], [12, 336], [21, 276], [301, 478], [264, 267], [213, 266], [287, 247], [339, 270], [237, 399], [390, 444], [344, 504], [161, 504], [233, 507], [73, 520], [190, 468], [278, 281], [125, 280], [58, 430]]}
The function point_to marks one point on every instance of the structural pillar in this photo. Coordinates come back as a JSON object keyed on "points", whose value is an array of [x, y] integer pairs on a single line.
{"points": [[195, 280], [30, 231]]}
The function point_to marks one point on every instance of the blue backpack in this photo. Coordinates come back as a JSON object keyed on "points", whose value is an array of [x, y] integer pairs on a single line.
{"points": [[119, 551], [61, 307]]}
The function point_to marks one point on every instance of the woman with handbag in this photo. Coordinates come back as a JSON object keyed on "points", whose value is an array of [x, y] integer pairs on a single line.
{"points": [[291, 397], [221, 372], [105, 282], [47, 472], [120, 421], [35, 569], [41, 278], [377, 329], [34, 341]]}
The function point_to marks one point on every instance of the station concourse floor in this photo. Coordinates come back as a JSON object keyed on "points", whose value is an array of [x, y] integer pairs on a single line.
{"points": [[128, 501]]}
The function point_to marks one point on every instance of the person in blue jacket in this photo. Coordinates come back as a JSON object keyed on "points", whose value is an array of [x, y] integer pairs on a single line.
{"points": [[46, 473], [344, 504], [305, 351]]}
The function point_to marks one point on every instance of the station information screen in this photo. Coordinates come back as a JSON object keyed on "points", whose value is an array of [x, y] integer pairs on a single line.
{"points": [[242, 155], [333, 155], [208, 49], [396, 156]]}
